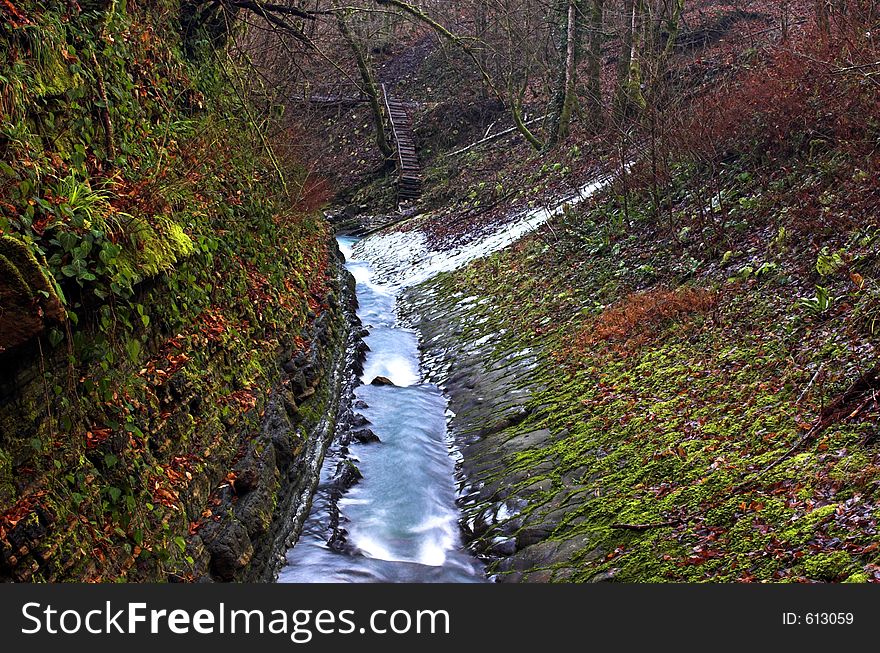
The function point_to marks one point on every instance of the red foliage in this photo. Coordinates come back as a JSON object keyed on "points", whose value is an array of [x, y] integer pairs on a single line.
{"points": [[799, 95], [21, 510], [314, 194], [634, 319], [15, 16], [96, 437]]}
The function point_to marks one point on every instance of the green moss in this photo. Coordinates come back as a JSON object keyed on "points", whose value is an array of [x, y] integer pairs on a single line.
{"points": [[13, 279], [51, 74], [190, 201], [7, 486], [828, 566], [803, 529], [694, 421], [28, 273]]}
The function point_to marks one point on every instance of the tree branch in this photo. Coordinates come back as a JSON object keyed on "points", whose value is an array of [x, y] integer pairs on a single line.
{"points": [[268, 13], [460, 42], [278, 9]]}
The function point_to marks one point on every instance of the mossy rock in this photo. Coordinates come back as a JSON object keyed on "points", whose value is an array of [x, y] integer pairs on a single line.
{"points": [[829, 566], [7, 487], [27, 298], [52, 76], [161, 243]]}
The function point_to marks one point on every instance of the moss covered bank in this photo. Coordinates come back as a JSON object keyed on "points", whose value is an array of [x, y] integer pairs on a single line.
{"points": [[173, 316], [652, 406]]}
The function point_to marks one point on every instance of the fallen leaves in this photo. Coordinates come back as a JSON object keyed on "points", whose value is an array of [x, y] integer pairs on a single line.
{"points": [[162, 494], [635, 318], [97, 436], [15, 16], [18, 512], [243, 400], [212, 325]]}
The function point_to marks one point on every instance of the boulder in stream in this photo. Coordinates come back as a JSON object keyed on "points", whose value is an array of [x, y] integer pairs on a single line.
{"points": [[365, 436]]}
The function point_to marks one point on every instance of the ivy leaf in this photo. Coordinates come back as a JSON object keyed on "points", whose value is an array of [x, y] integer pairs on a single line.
{"points": [[133, 347], [55, 337]]}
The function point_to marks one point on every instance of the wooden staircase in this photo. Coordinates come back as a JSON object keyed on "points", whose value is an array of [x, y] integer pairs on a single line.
{"points": [[409, 181]]}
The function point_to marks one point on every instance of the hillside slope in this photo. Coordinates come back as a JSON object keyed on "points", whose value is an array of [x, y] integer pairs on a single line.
{"points": [[677, 380]]}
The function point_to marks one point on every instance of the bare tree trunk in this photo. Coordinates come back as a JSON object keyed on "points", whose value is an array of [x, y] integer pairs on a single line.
{"points": [[370, 87], [823, 17], [673, 26], [595, 110], [512, 102], [621, 99], [566, 91], [481, 27], [629, 74]]}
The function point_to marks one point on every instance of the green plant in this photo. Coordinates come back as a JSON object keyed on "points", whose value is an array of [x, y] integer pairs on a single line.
{"points": [[749, 271], [828, 262], [819, 304]]}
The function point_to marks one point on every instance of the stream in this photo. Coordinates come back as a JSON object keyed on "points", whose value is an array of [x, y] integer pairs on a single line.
{"points": [[401, 520]]}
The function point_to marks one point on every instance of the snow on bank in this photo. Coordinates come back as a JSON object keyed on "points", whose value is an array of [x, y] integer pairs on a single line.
{"points": [[402, 259]]}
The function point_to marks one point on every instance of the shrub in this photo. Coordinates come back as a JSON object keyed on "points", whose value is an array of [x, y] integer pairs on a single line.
{"points": [[633, 320]]}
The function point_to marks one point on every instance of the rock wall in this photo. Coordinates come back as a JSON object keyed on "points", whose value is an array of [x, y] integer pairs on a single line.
{"points": [[262, 511], [243, 480]]}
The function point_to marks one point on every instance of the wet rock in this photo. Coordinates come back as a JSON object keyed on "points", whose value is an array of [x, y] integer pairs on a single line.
{"points": [[503, 547], [575, 476], [305, 394], [361, 404], [246, 480], [359, 420], [348, 476], [255, 512], [382, 380], [517, 416], [289, 403], [297, 382], [528, 440], [229, 546], [283, 449], [339, 542], [544, 554], [365, 436], [538, 487], [605, 576], [530, 535]]}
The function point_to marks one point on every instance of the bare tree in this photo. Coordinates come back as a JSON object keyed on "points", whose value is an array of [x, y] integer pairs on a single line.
{"points": [[368, 80], [565, 95]]}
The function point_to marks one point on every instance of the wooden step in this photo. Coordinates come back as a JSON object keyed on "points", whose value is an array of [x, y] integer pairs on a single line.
{"points": [[409, 180]]}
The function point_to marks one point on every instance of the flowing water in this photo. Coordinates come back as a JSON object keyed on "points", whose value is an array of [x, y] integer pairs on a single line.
{"points": [[401, 518]]}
